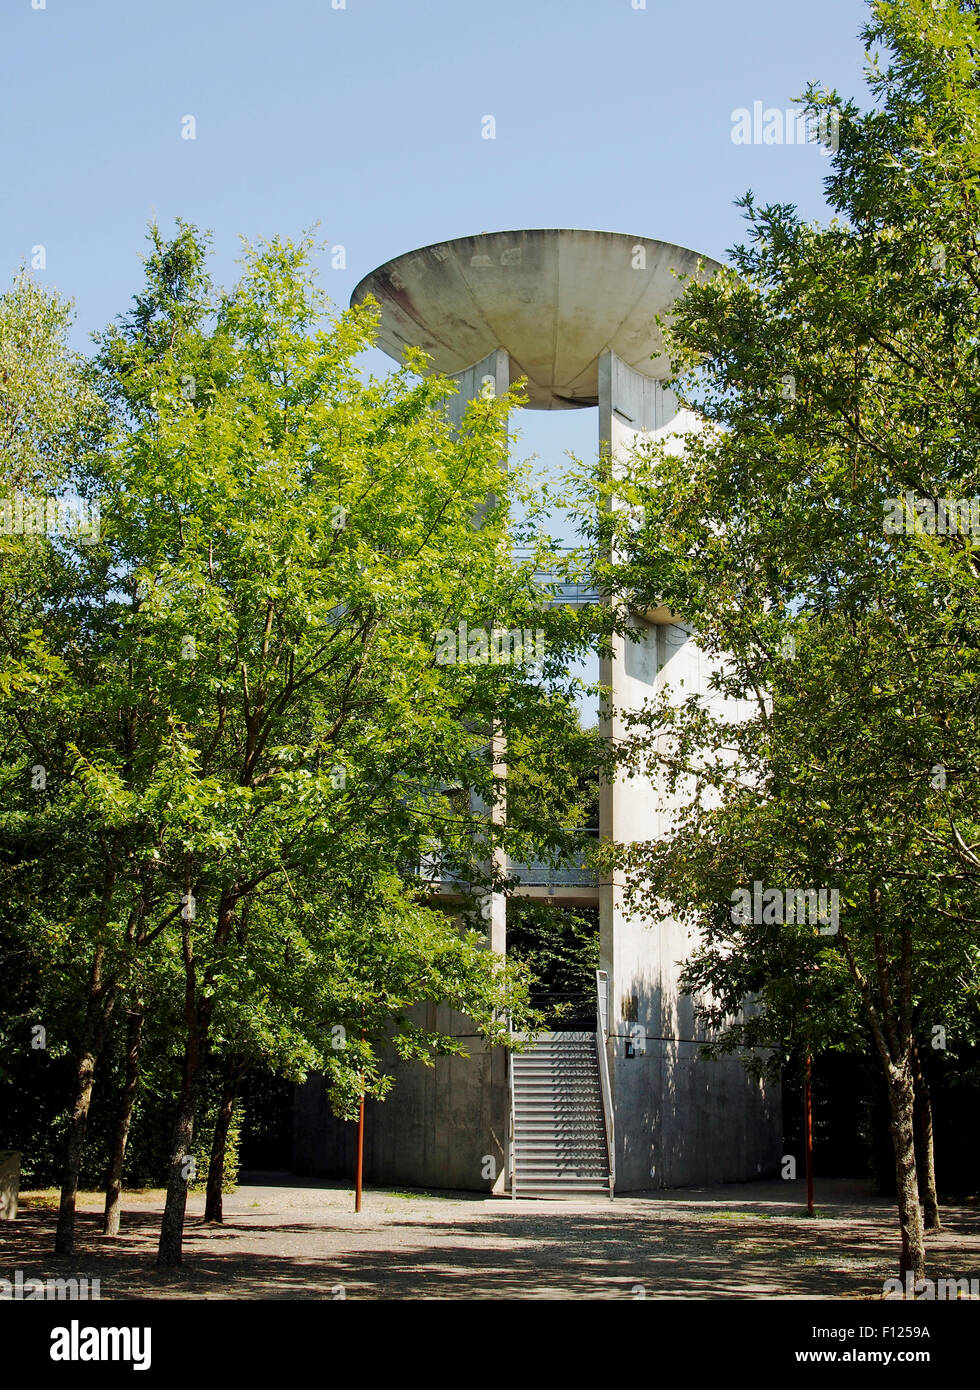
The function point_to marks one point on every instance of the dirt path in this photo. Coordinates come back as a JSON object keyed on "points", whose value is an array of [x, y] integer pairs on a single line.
{"points": [[287, 1238]]}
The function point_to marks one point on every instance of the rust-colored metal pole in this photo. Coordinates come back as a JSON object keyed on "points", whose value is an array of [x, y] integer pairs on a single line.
{"points": [[360, 1157], [359, 1174], [808, 1093]]}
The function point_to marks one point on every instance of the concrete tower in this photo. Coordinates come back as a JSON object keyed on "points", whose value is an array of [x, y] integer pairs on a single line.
{"points": [[573, 312]]}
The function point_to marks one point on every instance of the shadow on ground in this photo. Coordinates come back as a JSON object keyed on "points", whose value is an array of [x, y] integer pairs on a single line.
{"points": [[294, 1239]]}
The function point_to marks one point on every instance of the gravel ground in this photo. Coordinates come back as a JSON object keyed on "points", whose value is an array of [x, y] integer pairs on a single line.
{"points": [[290, 1238]]}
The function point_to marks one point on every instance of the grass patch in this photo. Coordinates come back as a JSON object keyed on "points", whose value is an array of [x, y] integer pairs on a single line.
{"points": [[39, 1197], [736, 1216]]}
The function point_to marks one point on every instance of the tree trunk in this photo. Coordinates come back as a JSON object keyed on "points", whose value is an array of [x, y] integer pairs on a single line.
{"points": [[113, 1187], [216, 1167], [170, 1250], [901, 1103], [197, 1017], [64, 1243], [891, 1026], [98, 1011], [925, 1147]]}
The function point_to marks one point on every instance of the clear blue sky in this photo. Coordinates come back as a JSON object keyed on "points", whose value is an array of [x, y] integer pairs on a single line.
{"points": [[368, 120]]}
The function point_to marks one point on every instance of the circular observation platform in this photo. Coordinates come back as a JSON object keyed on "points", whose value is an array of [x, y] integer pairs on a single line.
{"points": [[554, 299]]}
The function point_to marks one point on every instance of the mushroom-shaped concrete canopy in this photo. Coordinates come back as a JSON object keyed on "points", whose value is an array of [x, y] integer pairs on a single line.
{"points": [[553, 299]]}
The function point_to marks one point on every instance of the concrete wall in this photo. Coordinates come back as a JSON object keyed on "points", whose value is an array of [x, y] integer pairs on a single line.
{"points": [[684, 1122], [437, 1128]]}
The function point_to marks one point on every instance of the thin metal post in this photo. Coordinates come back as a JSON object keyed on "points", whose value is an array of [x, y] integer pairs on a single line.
{"points": [[360, 1157], [808, 1102]]}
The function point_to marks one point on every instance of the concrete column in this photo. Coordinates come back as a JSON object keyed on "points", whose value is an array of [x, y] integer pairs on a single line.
{"points": [[631, 407], [679, 1120], [491, 375]]}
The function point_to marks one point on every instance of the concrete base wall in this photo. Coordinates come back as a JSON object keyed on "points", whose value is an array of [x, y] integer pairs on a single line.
{"points": [[682, 1121], [441, 1126]]}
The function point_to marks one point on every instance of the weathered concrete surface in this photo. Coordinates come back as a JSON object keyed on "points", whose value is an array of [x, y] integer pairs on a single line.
{"points": [[491, 373], [441, 1126], [555, 299]]}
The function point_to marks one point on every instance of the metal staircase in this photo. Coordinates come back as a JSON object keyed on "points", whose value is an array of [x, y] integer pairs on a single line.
{"points": [[561, 1116]]}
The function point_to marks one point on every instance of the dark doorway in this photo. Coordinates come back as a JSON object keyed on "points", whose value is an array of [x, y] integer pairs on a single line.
{"points": [[561, 946]]}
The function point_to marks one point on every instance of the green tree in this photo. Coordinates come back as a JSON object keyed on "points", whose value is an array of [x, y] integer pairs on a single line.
{"points": [[835, 370], [51, 574], [249, 722]]}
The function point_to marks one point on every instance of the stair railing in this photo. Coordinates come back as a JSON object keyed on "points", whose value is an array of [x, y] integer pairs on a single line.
{"points": [[512, 1143], [602, 1028]]}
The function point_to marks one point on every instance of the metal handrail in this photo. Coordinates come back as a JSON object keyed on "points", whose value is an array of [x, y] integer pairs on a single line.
{"points": [[512, 1141], [602, 1018], [565, 1010], [572, 589]]}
